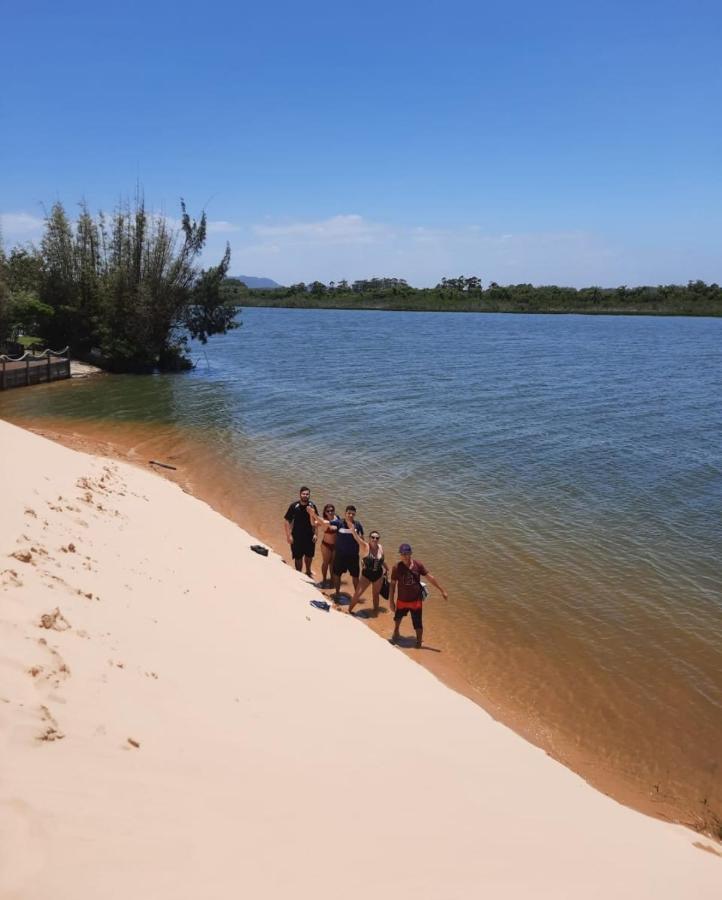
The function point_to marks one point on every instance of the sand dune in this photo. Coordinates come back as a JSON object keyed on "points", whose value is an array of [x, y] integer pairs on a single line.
{"points": [[178, 722]]}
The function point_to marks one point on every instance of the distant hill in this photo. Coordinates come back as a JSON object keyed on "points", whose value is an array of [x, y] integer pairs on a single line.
{"points": [[251, 281]]}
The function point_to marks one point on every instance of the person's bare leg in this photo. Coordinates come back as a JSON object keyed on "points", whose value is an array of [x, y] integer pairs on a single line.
{"points": [[308, 560], [376, 587], [395, 636], [298, 563], [355, 582], [337, 587], [419, 636], [361, 585], [327, 560]]}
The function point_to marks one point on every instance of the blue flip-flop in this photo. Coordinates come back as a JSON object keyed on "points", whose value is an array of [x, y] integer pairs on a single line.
{"points": [[320, 604]]}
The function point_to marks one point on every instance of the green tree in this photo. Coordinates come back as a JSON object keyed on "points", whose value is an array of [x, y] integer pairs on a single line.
{"points": [[131, 287]]}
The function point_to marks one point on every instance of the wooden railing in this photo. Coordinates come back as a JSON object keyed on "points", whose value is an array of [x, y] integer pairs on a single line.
{"points": [[32, 368]]}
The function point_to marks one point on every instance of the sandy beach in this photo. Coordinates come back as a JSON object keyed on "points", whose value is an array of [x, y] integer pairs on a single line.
{"points": [[178, 721]]}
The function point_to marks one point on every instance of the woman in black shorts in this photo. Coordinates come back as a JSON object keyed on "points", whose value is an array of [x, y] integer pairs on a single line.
{"points": [[373, 568]]}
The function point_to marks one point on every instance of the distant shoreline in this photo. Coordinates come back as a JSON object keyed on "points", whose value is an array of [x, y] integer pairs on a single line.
{"points": [[460, 308], [696, 298]]}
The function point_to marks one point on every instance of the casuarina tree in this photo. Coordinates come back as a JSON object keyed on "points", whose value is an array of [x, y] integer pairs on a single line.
{"points": [[129, 287]]}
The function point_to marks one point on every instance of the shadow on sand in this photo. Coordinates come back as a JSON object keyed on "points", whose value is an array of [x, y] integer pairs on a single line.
{"points": [[409, 643]]}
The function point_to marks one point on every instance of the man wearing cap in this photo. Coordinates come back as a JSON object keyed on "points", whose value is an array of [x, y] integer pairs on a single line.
{"points": [[406, 574]]}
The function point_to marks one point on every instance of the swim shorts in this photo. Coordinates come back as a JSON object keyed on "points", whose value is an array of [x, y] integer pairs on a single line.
{"points": [[304, 547], [416, 616], [348, 564]]}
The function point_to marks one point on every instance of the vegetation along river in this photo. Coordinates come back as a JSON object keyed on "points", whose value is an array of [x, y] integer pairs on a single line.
{"points": [[561, 475]]}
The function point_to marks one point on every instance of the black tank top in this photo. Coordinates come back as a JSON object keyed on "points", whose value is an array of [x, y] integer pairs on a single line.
{"points": [[372, 564]]}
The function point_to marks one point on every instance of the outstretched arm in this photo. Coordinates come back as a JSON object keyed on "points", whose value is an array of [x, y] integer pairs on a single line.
{"points": [[357, 537], [316, 520], [437, 585]]}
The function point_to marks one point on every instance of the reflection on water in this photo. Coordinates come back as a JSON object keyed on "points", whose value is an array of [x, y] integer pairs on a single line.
{"points": [[560, 474]]}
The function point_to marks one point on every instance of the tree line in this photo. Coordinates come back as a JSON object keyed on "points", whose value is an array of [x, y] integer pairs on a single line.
{"points": [[469, 294], [124, 290]]}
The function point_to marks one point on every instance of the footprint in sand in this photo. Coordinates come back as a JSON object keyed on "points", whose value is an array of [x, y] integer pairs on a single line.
{"points": [[9, 578], [51, 730], [54, 620], [56, 579], [57, 669]]}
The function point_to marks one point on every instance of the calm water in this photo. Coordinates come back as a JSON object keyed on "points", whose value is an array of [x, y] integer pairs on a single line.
{"points": [[562, 475]]}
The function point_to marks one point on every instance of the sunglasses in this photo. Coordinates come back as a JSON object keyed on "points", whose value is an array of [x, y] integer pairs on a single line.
{"points": [[374, 537]]}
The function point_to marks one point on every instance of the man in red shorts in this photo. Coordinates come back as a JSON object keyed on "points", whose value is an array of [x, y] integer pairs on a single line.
{"points": [[406, 574]]}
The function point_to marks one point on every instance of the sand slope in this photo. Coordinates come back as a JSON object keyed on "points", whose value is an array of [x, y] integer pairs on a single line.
{"points": [[281, 751]]}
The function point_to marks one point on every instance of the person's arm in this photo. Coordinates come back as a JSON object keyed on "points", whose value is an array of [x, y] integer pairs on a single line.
{"points": [[314, 516], [287, 528], [357, 537], [384, 564], [392, 592], [316, 521], [437, 585]]}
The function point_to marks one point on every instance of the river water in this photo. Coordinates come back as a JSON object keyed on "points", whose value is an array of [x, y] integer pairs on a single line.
{"points": [[561, 475]]}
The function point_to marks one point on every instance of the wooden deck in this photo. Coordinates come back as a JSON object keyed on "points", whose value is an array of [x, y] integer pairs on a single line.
{"points": [[33, 369]]}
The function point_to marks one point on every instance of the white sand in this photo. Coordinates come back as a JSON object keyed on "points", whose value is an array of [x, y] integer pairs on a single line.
{"points": [[284, 752]]}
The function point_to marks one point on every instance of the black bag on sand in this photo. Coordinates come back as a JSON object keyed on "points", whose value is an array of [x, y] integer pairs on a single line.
{"points": [[384, 591]]}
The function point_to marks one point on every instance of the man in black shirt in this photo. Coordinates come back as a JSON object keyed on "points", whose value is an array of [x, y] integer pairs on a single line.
{"points": [[300, 532]]}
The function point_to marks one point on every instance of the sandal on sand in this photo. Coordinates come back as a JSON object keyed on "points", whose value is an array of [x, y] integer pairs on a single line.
{"points": [[257, 548], [320, 604]]}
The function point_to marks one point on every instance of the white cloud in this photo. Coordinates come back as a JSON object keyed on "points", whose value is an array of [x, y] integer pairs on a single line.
{"points": [[351, 246], [21, 227], [213, 226], [342, 229], [18, 227], [220, 226]]}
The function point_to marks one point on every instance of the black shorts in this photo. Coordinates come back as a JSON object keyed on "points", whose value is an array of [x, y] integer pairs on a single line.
{"points": [[303, 547], [348, 564], [416, 618]]}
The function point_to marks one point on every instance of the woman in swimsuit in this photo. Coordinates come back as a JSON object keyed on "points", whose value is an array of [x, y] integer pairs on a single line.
{"points": [[373, 568], [330, 521]]}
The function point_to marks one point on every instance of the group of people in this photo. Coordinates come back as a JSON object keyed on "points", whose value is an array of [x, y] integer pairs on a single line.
{"points": [[345, 549]]}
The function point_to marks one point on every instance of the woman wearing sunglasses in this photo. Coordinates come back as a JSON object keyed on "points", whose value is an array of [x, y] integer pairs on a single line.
{"points": [[373, 568], [330, 522]]}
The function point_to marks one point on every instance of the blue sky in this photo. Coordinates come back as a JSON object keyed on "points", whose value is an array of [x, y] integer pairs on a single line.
{"points": [[575, 143]]}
